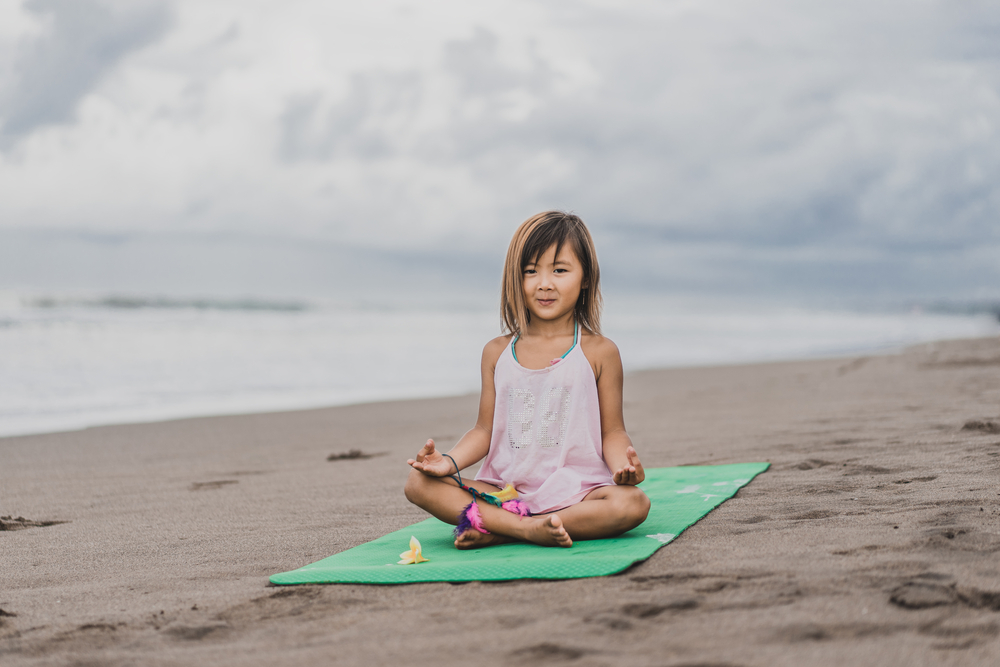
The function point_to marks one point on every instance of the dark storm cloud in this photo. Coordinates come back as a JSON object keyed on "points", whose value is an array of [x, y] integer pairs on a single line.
{"points": [[852, 160], [774, 143], [744, 144], [83, 41]]}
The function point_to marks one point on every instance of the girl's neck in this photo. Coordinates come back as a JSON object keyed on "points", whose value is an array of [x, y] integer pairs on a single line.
{"points": [[563, 326]]}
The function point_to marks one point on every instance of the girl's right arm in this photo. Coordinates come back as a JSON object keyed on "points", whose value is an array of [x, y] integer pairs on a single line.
{"points": [[475, 444]]}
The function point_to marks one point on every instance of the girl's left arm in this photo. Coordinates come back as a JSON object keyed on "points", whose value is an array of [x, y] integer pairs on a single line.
{"points": [[619, 454]]}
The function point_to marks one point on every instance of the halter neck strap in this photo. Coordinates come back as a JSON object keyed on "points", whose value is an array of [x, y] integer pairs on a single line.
{"points": [[576, 339]]}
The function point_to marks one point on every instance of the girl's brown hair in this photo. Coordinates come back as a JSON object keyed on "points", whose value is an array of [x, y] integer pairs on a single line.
{"points": [[536, 235]]}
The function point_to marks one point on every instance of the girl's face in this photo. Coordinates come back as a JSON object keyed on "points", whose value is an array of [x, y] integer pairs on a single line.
{"points": [[552, 284]]}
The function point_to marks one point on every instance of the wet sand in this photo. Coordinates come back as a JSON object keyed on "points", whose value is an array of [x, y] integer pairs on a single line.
{"points": [[874, 539]]}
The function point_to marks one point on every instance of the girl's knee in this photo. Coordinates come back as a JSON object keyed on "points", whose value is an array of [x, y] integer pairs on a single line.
{"points": [[643, 506], [416, 486], [636, 507]]}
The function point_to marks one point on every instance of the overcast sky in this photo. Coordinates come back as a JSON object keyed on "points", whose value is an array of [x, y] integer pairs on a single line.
{"points": [[848, 148]]}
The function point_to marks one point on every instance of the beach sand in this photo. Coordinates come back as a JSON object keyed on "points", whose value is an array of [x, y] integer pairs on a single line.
{"points": [[874, 539]]}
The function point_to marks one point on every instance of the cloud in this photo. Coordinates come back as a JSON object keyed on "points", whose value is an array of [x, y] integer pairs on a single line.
{"points": [[698, 129], [749, 143], [82, 42], [365, 125]]}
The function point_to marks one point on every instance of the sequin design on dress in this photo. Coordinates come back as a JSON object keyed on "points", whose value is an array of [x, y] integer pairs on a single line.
{"points": [[552, 425], [520, 417], [555, 418]]}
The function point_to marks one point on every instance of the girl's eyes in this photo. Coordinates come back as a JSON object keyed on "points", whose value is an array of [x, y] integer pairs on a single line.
{"points": [[532, 271]]}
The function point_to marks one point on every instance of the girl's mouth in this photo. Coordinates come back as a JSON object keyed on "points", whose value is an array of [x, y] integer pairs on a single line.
{"points": [[546, 302]]}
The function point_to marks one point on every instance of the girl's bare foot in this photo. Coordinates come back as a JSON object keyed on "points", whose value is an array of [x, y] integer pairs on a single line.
{"points": [[549, 532], [473, 539]]}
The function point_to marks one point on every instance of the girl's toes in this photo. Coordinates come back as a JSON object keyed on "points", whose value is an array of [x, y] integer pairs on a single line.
{"points": [[559, 533]]}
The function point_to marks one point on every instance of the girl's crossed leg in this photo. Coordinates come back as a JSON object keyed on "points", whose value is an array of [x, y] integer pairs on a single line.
{"points": [[607, 511]]}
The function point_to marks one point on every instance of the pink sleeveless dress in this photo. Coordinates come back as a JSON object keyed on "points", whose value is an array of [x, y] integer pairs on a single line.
{"points": [[546, 431]]}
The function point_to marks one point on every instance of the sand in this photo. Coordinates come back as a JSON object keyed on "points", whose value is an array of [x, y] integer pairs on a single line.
{"points": [[873, 540]]}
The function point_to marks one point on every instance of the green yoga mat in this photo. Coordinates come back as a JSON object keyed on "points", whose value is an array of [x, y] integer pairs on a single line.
{"points": [[680, 497]]}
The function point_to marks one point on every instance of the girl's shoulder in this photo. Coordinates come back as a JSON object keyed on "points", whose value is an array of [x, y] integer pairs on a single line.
{"points": [[600, 346], [494, 348], [601, 352]]}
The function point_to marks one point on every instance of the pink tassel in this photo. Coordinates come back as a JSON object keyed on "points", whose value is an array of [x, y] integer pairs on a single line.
{"points": [[516, 507], [476, 519], [470, 518]]}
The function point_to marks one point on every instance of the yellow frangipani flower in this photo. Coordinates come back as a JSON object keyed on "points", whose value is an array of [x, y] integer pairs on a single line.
{"points": [[413, 555]]}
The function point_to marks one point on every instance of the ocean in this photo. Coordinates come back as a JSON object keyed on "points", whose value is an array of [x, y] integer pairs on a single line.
{"points": [[72, 362]]}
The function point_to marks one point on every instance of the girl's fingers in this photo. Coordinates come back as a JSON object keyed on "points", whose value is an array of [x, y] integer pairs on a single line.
{"points": [[426, 450], [633, 457]]}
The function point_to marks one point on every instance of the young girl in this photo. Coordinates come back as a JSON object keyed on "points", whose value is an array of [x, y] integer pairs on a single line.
{"points": [[550, 413]]}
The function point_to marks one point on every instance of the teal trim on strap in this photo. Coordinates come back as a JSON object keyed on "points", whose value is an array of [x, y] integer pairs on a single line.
{"points": [[576, 339]]}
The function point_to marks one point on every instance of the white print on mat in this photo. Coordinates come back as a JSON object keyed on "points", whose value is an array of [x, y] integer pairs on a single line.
{"points": [[521, 417], [663, 538], [693, 488]]}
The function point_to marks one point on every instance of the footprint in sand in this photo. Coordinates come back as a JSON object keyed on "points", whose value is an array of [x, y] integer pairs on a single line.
{"points": [[201, 486], [351, 455], [982, 426], [811, 464], [197, 632], [649, 610], [929, 478], [812, 515], [20, 523], [923, 595], [547, 652], [861, 469]]}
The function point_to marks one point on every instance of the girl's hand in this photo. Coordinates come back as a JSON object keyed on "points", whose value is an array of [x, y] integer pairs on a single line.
{"points": [[431, 462], [633, 473]]}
